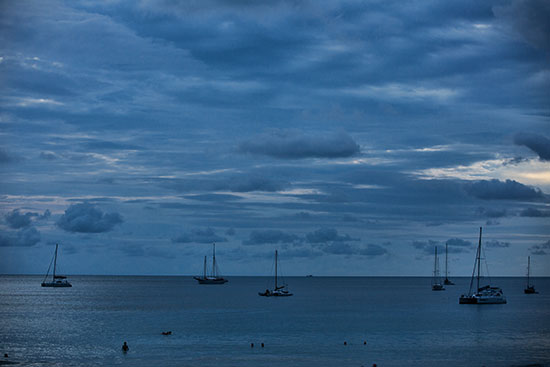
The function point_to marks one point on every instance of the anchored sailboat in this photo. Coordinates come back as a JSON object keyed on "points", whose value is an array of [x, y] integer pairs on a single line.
{"points": [[213, 278], [447, 281], [279, 290], [485, 294], [57, 280], [530, 289], [436, 280]]}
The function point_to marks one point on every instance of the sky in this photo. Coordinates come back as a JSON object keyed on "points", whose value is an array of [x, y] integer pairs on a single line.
{"points": [[352, 136]]}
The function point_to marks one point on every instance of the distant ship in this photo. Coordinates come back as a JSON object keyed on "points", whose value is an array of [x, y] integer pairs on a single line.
{"points": [[447, 281], [213, 278], [278, 290], [485, 294], [529, 289], [57, 280], [436, 280]]}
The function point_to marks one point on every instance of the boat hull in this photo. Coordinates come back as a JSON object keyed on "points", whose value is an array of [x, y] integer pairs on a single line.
{"points": [[57, 285], [448, 282], [530, 290], [211, 281], [473, 300], [438, 287], [272, 294]]}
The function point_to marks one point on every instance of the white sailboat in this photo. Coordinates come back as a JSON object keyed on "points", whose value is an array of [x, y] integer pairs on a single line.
{"points": [[447, 281], [213, 278], [278, 290], [59, 281], [482, 295], [436, 280]]}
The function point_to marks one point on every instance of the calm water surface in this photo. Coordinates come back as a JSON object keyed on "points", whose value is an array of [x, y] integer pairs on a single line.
{"points": [[402, 320]]}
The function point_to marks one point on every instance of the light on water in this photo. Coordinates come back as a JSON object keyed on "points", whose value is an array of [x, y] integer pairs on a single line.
{"points": [[401, 320]]}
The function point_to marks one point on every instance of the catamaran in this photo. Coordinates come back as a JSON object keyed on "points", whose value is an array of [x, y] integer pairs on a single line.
{"points": [[529, 289], [447, 281], [57, 280], [279, 290], [213, 278], [485, 294], [436, 280]]}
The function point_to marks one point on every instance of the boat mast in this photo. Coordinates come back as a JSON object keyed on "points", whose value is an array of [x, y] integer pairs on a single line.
{"points": [[55, 261], [214, 259], [479, 258], [275, 269], [204, 269], [435, 265], [528, 269], [446, 261]]}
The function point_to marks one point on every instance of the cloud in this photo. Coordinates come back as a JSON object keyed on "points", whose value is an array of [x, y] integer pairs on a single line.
{"points": [[530, 19], [6, 157], [502, 190], [534, 212], [540, 249], [373, 250], [270, 236], [207, 235], [496, 244], [537, 143], [290, 144], [15, 219], [248, 184], [326, 235], [25, 237], [86, 218], [230, 232], [457, 245], [492, 213], [49, 156], [427, 247]]}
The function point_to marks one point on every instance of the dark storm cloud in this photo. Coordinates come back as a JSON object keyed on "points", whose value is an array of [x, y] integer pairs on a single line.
{"points": [[86, 218], [270, 236], [535, 213], [530, 19], [198, 235], [298, 145], [25, 237], [502, 190], [249, 182], [537, 143], [325, 235], [541, 249]]}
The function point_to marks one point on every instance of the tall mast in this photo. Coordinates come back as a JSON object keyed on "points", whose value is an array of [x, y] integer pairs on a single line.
{"points": [[528, 269], [275, 269], [204, 269], [435, 264], [55, 261], [446, 261], [214, 259], [479, 258]]}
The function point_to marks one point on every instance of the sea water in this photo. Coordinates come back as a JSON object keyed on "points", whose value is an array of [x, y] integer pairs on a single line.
{"points": [[402, 321]]}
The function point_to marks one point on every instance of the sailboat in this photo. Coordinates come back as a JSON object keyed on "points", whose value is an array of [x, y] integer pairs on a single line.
{"points": [[213, 278], [57, 280], [530, 289], [485, 294], [447, 281], [436, 280], [279, 290]]}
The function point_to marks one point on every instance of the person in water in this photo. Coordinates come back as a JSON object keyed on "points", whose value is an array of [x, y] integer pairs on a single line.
{"points": [[125, 347]]}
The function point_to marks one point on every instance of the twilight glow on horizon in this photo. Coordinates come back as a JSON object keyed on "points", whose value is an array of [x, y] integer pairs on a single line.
{"points": [[352, 136]]}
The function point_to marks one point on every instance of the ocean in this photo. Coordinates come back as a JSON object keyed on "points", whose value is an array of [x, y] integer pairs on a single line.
{"points": [[402, 321]]}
